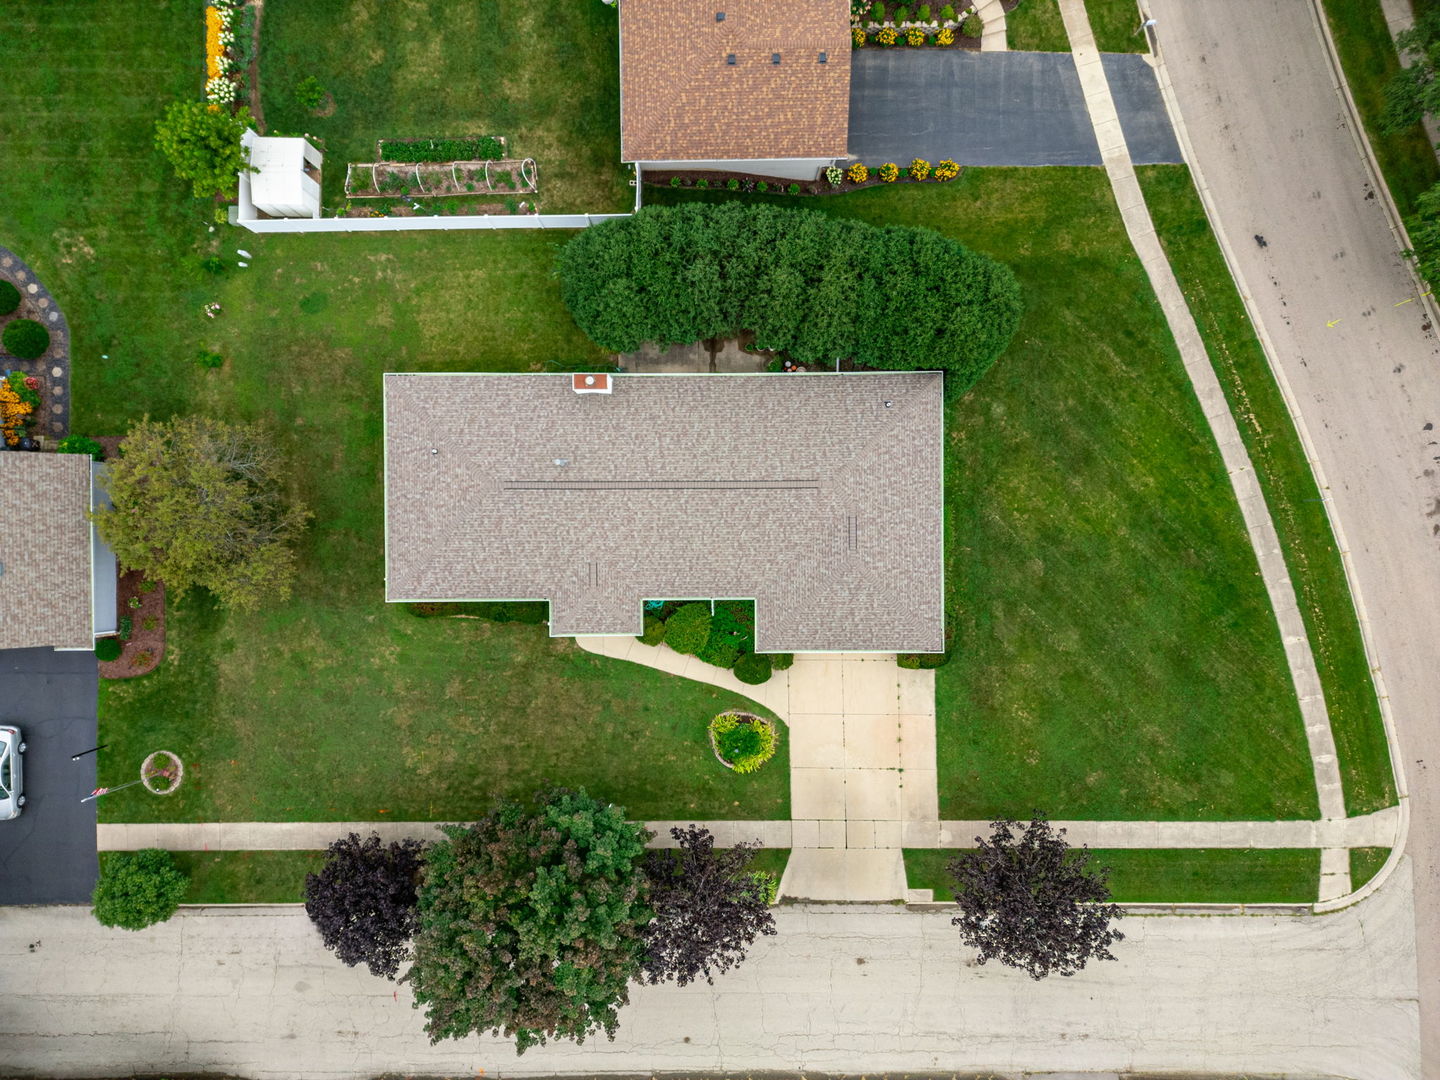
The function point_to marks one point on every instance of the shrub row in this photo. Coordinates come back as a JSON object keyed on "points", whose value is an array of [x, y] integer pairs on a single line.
{"points": [[484, 148], [809, 285], [725, 639], [516, 611]]}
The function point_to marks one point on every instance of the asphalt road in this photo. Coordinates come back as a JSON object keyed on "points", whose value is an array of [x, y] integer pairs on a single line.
{"points": [[1274, 143], [840, 990], [996, 108], [47, 854]]}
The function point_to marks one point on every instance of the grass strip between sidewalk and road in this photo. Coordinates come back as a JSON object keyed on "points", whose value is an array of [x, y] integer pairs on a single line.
{"points": [[1116, 25], [1290, 490], [1369, 59], [1365, 863], [1036, 26], [1171, 875]]}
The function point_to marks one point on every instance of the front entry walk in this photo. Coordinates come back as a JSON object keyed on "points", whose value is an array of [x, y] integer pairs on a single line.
{"points": [[997, 108]]}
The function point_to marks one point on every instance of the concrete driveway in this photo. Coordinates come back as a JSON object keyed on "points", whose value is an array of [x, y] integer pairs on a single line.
{"points": [[47, 854], [1003, 108]]}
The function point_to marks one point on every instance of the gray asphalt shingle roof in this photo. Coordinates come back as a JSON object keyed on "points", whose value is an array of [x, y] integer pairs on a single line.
{"points": [[808, 494], [45, 551]]}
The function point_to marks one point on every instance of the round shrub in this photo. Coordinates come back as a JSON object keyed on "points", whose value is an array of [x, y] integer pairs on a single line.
{"points": [[902, 14], [9, 298], [720, 650], [688, 629], [654, 632], [779, 661], [947, 13], [877, 12], [753, 668], [26, 339], [743, 742], [138, 889], [81, 444], [107, 649]]}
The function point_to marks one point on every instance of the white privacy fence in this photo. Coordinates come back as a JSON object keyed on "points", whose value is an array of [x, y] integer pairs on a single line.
{"points": [[411, 224]]}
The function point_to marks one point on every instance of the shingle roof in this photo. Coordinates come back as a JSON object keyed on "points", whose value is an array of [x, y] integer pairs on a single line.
{"points": [[806, 493], [681, 100], [45, 549]]}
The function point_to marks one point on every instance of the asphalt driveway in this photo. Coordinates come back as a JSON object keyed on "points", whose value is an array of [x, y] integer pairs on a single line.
{"points": [[47, 854], [1010, 108]]}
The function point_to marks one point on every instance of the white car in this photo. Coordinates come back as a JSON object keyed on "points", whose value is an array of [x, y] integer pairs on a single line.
{"points": [[12, 785]]}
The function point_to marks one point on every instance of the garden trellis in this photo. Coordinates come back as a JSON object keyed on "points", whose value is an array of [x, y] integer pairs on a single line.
{"points": [[395, 179]]}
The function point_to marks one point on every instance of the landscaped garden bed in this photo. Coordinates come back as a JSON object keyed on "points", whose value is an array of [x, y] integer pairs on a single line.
{"points": [[141, 634], [439, 180], [889, 25], [723, 636], [834, 180]]}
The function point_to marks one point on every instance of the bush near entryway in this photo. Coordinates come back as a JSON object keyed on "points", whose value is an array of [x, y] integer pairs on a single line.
{"points": [[26, 339], [138, 889], [812, 286], [9, 298], [688, 629]]}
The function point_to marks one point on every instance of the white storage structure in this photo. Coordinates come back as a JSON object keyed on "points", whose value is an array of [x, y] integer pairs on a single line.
{"points": [[287, 184]]}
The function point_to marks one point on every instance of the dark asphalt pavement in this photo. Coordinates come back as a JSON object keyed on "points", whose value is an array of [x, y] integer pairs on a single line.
{"points": [[47, 854], [1010, 108]]}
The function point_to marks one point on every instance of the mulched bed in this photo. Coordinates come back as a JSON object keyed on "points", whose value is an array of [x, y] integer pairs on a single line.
{"points": [[142, 652], [446, 179], [778, 185], [969, 44], [52, 369]]}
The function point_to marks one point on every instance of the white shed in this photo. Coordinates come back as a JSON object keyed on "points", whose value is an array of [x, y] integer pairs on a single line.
{"points": [[287, 184]]}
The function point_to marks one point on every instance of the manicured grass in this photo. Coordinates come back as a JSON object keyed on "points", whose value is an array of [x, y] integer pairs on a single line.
{"points": [[545, 76], [244, 877], [1290, 490], [1114, 652], [1369, 60], [1116, 24], [771, 860], [1365, 863], [1036, 26], [1172, 875]]}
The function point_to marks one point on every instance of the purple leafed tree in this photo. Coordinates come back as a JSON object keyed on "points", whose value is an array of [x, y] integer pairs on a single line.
{"points": [[363, 901]]}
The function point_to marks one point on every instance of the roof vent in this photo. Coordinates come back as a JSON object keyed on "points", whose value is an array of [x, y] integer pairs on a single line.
{"points": [[730, 59], [824, 59], [774, 58], [719, 16], [590, 384]]}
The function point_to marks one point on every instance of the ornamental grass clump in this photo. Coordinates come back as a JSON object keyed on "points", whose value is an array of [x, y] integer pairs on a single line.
{"points": [[743, 742]]}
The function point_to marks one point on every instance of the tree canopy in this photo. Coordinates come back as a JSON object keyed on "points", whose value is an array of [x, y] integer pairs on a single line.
{"points": [[530, 922], [815, 287], [709, 909], [202, 142], [1413, 92], [201, 502], [137, 889], [363, 901], [1032, 903]]}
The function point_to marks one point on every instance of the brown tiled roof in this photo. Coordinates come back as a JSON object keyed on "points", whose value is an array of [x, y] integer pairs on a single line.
{"points": [[806, 493], [680, 100], [45, 549]]}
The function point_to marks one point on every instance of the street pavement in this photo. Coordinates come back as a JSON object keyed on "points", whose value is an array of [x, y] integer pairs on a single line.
{"points": [[840, 989], [1309, 236], [996, 108], [47, 854]]}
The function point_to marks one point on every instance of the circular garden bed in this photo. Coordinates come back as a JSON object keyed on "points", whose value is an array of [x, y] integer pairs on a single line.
{"points": [[742, 741]]}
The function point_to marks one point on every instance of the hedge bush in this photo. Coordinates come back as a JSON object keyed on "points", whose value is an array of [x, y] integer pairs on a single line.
{"points": [[26, 339], [138, 889], [720, 650], [107, 649], [81, 444], [809, 285], [779, 661], [688, 629], [753, 668], [9, 298]]}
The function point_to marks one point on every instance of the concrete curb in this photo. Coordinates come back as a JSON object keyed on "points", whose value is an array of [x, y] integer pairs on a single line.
{"points": [[1307, 443]]}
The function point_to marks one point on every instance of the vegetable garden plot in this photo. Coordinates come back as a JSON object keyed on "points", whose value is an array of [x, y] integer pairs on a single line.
{"points": [[385, 179]]}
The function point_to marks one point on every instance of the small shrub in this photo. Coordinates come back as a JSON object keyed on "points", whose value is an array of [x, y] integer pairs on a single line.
{"points": [[133, 603], [888, 172], [922, 661], [138, 889], [149, 622], [793, 189], [719, 650], [857, 173], [127, 628], [80, 444], [877, 13], [781, 660], [674, 181], [9, 298], [919, 169], [743, 743], [946, 170], [834, 174], [702, 184], [947, 13], [309, 93], [972, 27], [914, 37], [946, 36], [146, 587], [654, 632], [922, 13], [107, 649], [886, 35], [857, 38], [688, 629], [753, 668], [732, 184], [26, 339], [762, 187], [207, 359], [902, 15], [767, 886]]}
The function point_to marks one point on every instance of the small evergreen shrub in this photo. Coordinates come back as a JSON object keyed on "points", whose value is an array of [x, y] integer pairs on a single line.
{"points": [[654, 632], [877, 13], [688, 629], [80, 444], [674, 181], [138, 889], [947, 13], [9, 298], [26, 339], [762, 187], [753, 668], [107, 649], [793, 189], [720, 650], [972, 26], [902, 14], [744, 743], [922, 13], [732, 184], [702, 184], [779, 661], [127, 627]]}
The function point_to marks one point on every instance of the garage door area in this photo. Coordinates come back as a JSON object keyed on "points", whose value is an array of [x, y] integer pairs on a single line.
{"points": [[997, 108], [47, 854]]}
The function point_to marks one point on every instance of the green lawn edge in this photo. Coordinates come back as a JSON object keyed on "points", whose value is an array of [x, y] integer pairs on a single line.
{"points": [[1171, 875], [1116, 26], [1365, 863], [1369, 59], [1036, 26], [1291, 493]]}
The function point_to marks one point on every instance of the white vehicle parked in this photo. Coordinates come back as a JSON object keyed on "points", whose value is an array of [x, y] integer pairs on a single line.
{"points": [[12, 785]]}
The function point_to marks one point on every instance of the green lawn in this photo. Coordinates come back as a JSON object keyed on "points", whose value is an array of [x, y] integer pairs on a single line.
{"points": [[1115, 655], [1116, 24], [546, 76], [1172, 875], [1290, 490], [1036, 26], [1365, 863], [1368, 57]]}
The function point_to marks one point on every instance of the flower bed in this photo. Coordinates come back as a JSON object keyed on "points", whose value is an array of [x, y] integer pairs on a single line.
{"points": [[19, 400], [835, 182], [221, 88], [743, 741], [942, 26]]}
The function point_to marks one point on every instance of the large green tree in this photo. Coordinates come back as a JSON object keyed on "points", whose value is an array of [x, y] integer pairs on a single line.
{"points": [[530, 922], [202, 142], [1410, 96], [202, 502]]}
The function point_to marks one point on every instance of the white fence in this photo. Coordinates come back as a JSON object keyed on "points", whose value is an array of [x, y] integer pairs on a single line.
{"points": [[410, 224]]}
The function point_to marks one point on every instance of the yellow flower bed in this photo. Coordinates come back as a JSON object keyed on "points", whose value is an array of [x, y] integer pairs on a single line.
{"points": [[13, 412], [886, 36], [919, 169], [214, 49], [946, 170], [857, 36], [857, 173], [888, 172]]}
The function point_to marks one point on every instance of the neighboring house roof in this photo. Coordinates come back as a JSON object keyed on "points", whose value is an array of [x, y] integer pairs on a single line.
{"points": [[681, 101], [806, 493], [45, 550]]}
